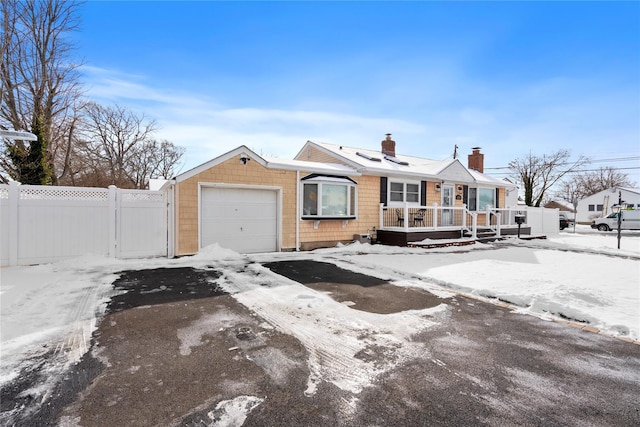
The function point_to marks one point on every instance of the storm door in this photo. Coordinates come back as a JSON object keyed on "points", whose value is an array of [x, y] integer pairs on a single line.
{"points": [[447, 201]]}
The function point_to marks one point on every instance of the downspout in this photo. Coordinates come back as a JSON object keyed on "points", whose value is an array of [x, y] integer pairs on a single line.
{"points": [[171, 206], [297, 211]]}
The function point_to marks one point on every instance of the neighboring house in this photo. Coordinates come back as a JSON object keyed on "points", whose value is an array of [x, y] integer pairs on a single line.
{"points": [[329, 194], [511, 192], [563, 206], [599, 205]]}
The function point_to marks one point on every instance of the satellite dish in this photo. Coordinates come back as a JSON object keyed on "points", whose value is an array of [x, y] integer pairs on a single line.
{"points": [[16, 134]]}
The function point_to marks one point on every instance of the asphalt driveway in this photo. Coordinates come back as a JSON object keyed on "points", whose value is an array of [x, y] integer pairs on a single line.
{"points": [[181, 348]]}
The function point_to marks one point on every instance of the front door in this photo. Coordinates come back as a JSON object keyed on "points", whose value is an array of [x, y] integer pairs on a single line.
{"points": [[447, 201]]}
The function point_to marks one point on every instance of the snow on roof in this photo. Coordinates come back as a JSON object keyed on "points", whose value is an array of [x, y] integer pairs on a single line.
{"points": [[373, 161], [302, 165], [630, 190], [486, 179]]}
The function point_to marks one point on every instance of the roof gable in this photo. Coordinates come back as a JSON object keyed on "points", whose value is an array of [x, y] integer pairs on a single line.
{"points": [[455, 171], [241, 150]]}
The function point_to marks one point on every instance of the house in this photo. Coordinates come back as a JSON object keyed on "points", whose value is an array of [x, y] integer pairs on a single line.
{"points": [[328, 194], [562, 206], [599, 204]]}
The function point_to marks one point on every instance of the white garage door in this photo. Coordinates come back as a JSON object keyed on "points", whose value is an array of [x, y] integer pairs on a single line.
{"points": [[242, 219]]}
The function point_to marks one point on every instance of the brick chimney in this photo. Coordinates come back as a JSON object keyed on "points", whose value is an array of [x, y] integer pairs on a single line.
{"points": [[476, 160], [389, 146]]}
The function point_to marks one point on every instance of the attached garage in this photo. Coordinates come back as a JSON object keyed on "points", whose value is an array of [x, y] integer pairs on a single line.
{"points": [[248, 203], [241, 218]]}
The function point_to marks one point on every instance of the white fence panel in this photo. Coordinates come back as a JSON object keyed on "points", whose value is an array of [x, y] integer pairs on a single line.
{"points": [[543, 221], [142, 225], [56, 223], [46, 224]]}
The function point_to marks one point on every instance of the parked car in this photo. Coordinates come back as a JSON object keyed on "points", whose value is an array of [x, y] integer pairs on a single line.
{"points": [[630, 221], [564, 221]]}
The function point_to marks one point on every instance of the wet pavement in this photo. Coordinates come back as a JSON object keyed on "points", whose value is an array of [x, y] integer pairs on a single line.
{"points": [[176, 349]]}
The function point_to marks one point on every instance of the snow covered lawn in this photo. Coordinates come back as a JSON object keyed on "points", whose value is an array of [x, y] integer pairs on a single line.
{"points": [[579, 277]]}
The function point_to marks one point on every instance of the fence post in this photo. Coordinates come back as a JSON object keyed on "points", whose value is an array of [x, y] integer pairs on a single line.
{"points": [[381, 225], [474, 225], [488, 216], [113, 221], [406, 217], [435, 216], [464, 215], [14, 200], [498, 223]]}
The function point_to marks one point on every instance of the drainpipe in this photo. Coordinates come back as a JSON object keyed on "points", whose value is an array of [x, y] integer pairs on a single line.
{"points": [[171, 249], [297, 211]]}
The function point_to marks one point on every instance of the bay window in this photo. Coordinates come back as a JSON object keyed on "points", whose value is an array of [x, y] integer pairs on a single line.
{"points": [[328, 197]]}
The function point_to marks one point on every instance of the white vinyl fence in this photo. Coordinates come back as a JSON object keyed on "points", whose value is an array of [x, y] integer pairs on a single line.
{"points": [[543, 221], [41, 224]]}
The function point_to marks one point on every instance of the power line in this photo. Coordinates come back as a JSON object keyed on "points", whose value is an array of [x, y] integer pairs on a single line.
{"points": [[618, 159], [570, 171]]}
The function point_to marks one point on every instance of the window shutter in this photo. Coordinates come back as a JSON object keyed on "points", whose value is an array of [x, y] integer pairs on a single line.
{"points": [[497, 198], [423, 193], [383, 190], [465, 195]]}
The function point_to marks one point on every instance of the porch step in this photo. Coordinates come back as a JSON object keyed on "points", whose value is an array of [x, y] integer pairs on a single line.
{"points": [[443, 244], [484, 235], [480, 233]]}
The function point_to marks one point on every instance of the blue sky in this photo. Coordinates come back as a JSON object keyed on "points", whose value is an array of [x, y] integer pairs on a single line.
{"points": [[510, 77]]}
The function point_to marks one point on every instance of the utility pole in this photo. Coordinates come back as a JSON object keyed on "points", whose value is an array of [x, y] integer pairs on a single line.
{"points": [[619, 216]]}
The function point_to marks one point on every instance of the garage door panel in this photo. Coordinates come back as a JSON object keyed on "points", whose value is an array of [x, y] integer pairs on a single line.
{"points": [[244, 220]]}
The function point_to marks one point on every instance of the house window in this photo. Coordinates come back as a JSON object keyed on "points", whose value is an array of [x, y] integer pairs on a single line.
{"points": [[413, 193], [473, 202], [592, 208], [396, 192], [404, 192], [480, 198], [486, 197], [600, 208], [328, 197]]}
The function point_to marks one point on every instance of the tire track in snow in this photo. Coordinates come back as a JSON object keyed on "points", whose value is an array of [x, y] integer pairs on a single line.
{"points": [[347, 347]]}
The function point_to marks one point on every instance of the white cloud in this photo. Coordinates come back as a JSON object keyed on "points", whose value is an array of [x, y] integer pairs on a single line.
{"points": [[507, 122]]}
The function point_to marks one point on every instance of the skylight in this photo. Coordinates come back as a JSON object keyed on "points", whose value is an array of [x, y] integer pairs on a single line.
{"points": [[368, 157], [396, 160]]}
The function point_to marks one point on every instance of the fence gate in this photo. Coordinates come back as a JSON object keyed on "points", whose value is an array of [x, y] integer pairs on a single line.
{"points": [[41, 224]]}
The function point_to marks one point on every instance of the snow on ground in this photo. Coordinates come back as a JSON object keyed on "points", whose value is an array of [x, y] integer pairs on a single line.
{"points": [[578, 276], [581, 276]]}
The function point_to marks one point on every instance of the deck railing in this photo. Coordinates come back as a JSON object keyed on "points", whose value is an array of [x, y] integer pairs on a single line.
{"points": [[410, 218], [503, 217], [424, 218]]}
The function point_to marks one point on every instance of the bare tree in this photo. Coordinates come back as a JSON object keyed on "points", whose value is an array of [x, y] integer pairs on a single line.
{"points": [[39, 86], [154, 159], [583, 184], [117, 147], [538, 174]]}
